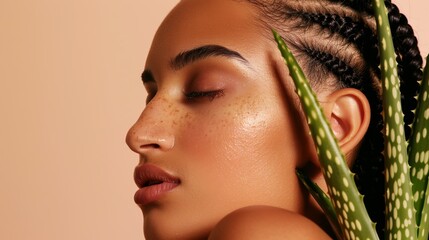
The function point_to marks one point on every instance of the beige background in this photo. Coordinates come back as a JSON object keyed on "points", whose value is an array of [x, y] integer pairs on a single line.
{"points": [[69, 90]]}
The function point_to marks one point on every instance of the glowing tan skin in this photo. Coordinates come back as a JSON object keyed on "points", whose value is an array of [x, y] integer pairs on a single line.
{"points": [[235, 153]]}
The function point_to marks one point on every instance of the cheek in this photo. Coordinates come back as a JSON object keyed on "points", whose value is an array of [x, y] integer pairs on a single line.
{"points": [[248, 148], [229, 130], [249, 126]]}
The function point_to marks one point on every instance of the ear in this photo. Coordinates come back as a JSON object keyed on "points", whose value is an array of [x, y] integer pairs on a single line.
{"points": [[349, 113]]}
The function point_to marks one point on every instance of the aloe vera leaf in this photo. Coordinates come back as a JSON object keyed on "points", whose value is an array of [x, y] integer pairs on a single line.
{"points": [[424, 224], [348, 203], [418, 150], [323, 200], [400, 216]]}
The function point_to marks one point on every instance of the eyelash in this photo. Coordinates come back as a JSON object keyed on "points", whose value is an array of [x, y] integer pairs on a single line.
{"points": [[211, 95]]}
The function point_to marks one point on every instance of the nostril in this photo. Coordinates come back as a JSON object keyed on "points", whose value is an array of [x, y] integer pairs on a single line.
{"points": [[149, 146]]}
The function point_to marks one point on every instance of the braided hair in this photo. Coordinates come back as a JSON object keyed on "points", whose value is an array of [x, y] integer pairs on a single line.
{"points": [[337, 38]]}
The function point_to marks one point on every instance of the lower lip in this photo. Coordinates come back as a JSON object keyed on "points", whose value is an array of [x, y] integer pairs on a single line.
{"points": [[149, 194]]}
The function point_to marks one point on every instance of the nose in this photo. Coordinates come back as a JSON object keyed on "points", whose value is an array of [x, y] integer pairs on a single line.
{"points": [[150, 132]]}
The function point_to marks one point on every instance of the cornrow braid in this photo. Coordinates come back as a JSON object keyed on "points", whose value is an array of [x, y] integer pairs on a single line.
{"points": [[350, 25], [353, 31], [346, 74], [408, 55]]}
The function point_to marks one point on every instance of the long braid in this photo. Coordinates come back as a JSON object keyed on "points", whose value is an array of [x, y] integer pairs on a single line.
{"points": [[409, 68], [409, 62], [334, 20]]}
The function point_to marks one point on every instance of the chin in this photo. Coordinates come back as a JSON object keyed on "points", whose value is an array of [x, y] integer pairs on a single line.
{"points": [[175, 229], [168, 233]]}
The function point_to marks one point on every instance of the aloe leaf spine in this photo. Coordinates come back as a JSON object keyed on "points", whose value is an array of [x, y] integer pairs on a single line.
{"points": [[418, 149], [424, 224]]}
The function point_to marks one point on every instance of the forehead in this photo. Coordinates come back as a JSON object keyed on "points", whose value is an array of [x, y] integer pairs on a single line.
{"points": [[193, 23]]}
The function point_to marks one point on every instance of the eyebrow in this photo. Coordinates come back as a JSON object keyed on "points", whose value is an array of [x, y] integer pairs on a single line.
{"points": [[187, 57]]}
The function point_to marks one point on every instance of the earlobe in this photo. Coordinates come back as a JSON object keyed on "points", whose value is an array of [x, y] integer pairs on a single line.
{"points": [[349, 114]]}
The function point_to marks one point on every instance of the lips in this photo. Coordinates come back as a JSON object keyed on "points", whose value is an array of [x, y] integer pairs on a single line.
{"points": [[153, 183]]}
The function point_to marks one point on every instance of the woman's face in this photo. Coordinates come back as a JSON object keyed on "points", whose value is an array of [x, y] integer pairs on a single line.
{"points": [[220, 119]]}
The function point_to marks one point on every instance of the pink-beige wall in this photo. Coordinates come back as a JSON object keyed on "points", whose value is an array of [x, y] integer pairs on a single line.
{"points": [[69, 90]]}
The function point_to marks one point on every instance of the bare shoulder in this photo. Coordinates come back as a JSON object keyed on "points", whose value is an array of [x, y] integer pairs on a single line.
{"points": [[265, 222]]}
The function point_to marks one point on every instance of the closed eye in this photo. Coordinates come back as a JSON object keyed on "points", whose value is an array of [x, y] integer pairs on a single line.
{"points": [[210, 95]]}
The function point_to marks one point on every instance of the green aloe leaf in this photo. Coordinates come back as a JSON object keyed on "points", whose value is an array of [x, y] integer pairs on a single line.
{"points": [[424, 224], [419, 147], [400, 216], [348, 203], [323, 200]]}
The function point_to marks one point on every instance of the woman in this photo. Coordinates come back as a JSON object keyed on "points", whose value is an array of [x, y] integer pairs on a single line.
{"points": [[223, 131]]}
